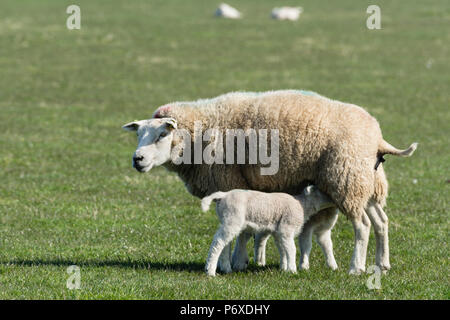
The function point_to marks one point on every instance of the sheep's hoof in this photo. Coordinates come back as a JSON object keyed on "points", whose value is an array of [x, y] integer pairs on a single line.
{"points": [[385, 269]]}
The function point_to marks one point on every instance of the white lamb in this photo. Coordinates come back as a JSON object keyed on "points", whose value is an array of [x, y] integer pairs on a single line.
{"points": [[279, 214]]}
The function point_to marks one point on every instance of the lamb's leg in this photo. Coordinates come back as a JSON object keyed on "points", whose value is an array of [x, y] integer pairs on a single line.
{"points": [[288, 244], [320, 225], [324, 240], [239, 260], [260, 247], [221, 239], [380, 225], [323, 235], [361, 226], [282, 252], [305, 243], [225, 259]]}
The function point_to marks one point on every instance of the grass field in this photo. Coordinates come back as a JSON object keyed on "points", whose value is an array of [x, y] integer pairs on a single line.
{"points": [[68, 194]]}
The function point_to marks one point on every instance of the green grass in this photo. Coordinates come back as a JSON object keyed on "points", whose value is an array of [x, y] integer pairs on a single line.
{"points": [[68, 194]]}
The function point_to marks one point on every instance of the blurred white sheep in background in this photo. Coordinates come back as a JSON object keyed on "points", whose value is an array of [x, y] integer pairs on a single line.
{"points": [[287, 13], [227, 11]]}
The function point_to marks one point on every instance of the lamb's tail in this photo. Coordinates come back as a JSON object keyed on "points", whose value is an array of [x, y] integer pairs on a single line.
{"points": [[206, 201], [386, 148]]}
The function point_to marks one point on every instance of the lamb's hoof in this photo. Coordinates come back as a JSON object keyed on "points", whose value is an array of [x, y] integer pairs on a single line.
{"points": [[304, 266], [333, 266], [210, 271], [210, 274], [356, 271], [293, 271], [260, 260], [226, 269], [240, 265]]}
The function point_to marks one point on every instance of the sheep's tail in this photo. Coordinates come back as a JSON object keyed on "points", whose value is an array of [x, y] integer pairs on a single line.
{"points": [[206, 201], [386, 148]]}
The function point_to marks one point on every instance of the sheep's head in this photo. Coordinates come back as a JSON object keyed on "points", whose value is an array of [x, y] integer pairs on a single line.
{"points": [[154, 142]]}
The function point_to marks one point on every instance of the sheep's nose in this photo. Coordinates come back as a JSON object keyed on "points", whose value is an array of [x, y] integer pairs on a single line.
{"points": [[136, 162]]}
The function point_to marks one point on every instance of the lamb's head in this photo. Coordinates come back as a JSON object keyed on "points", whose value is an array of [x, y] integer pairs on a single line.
{"points": [[317, 198], [154, 142]]}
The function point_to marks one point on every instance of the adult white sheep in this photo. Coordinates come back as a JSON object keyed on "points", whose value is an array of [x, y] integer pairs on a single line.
{"points": [[334, 145]]}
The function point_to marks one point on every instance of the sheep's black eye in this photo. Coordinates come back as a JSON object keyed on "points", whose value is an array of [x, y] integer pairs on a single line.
{"points": [[162, 135]]}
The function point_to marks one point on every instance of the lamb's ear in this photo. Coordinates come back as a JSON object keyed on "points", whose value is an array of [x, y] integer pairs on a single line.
{"points": [[171, 124], [132, 126], [309, 190]]}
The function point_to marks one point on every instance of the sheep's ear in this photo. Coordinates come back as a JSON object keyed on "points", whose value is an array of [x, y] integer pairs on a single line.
{"points": [[132, 126], [171, 124]]}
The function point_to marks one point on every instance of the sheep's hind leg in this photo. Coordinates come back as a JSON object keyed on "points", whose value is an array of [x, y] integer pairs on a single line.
{"points": [[361, 226], [260, 247], [384, 255], [239, 261], [379, 220]]}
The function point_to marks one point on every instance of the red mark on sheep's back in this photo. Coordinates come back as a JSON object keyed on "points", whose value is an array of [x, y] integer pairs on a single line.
{"points": [[159, 113]]}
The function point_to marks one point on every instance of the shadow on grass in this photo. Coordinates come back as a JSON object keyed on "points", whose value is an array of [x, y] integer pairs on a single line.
{"points": [[149, 265], [130, 264]]}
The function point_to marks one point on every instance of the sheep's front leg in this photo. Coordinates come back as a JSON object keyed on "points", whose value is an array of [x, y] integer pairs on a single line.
{"points": [[239, 260], [379, 220], [221, 239], [361, 226], [260, 247]]}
